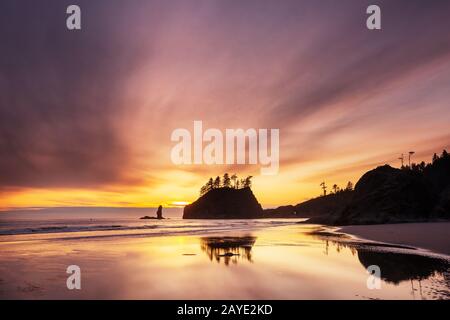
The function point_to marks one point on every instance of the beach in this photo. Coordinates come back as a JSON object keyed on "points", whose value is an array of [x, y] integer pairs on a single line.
{"points": [[432, 236], [208, 259]]}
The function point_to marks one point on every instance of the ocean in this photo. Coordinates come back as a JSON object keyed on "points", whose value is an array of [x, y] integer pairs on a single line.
{"points": [[116, 222], [122, 257]]}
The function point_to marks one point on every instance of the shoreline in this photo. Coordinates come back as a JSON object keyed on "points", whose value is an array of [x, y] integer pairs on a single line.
{"points": [[430, 236], [257, 263]]}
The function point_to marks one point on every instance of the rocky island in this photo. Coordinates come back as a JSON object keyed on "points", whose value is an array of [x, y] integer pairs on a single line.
{"points": [[225, 203], [225, 200]]}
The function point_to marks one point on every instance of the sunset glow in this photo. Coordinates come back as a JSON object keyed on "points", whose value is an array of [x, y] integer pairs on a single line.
{"points": [[224, 158], [86, 117]]}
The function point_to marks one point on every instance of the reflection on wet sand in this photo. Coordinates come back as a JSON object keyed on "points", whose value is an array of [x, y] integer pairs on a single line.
{"points": [[397, 267], [397, 263], [290, 263], [228, 249]]}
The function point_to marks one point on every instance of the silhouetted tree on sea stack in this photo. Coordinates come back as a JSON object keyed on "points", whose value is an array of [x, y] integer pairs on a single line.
{"points": [[234, 179], [207, 187], [248, 182], [210, 183], [226, 183], [217, 182]]}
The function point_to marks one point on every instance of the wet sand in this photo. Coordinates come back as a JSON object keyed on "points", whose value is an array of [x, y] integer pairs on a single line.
{"points": [[281, 262], [432, 236]]}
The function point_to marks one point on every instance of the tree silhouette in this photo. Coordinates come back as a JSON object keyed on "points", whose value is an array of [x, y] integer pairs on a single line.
{"points": [[217, 182], [209, 184], [422, 166], [349, 186], [203, 190], [226, 181], [207, 187], [324, 187], [335, 188], [234, 178], [248, 182], [401, 159], [435, 158]]}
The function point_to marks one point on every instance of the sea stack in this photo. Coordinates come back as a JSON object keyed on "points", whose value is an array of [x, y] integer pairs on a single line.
{"points": [[225, 203], [159, 213]]}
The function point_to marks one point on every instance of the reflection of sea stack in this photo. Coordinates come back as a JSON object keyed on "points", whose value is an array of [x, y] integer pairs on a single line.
{"points": [[159, 213], [228, 248]]}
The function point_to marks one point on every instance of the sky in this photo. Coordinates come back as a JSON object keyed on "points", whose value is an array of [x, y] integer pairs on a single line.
{"points": [[86, 116]]}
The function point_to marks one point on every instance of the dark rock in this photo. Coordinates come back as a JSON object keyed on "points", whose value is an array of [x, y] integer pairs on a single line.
{"points": [[387, 195], [280, 212], [383, 195], [147, 217], [331, 204], [159, 215], [315, 209], [442, 208], [224, 203]]}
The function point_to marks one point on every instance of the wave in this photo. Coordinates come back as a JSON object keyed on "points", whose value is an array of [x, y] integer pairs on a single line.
{"points": [[60, 229], [166, 227]]}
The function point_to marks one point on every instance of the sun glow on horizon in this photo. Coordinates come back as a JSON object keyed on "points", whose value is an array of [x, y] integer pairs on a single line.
{"points": [[295, 183], [180, 203], [102, 137]]}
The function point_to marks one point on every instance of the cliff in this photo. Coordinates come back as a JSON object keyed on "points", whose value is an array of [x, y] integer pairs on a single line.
{"points": [[315, 208], [383, 195], [224, 203], [388, 195]]}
